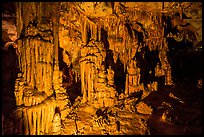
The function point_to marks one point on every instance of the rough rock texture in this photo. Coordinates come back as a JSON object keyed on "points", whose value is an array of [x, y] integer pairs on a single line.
{"points": [[112, 55]]}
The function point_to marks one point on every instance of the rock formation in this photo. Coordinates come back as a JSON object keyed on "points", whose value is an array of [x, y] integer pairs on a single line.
{"points": [[116, 54]]}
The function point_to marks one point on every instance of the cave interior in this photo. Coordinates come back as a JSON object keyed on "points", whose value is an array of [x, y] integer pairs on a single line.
{"points": [[101, 68]]}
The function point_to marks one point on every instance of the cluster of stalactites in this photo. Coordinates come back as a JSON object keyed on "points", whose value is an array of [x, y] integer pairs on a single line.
{"points": [[41, 77], [122, 36], [90, 30], [37, 32], [92, 56], [37, 65], [35, 118]]}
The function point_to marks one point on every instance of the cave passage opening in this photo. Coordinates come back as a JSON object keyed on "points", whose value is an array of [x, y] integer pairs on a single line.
{"points": [[69, 82]]}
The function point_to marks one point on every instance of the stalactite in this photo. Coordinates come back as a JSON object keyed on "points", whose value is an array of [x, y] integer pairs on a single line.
{"points": [[23, 61], [85, 32], [82, 78], [36, 51], [83, 89], [40, 51], [18, 16], [117, 29], [44, 48], [30, 121], [32, 64], [91, 29], [28, 62], [40, 80], [88, 83], [38, 118], [29, 99], [75, 76], [48, 79], [82, 29], [44, 67], [88, 31], [20, 55], [95, 32], [48, 68], [38, 76], [124, 36], [52, 61], [43, 115], [49, 120], [126, 85], [34, 121], [45, 80], [92, 80], [55, 20], [25, 122], [46, 119]]}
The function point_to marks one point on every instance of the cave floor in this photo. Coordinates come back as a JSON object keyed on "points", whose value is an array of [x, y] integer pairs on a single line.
{"points": [[177, 110], [129, 124]]}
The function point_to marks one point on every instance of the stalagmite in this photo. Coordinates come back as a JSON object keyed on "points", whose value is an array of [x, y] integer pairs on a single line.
{"points": [[57, 126], [110, 76]]}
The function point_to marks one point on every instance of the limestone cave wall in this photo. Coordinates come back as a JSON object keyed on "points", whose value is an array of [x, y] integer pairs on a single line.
{"points": [[96, 50]]}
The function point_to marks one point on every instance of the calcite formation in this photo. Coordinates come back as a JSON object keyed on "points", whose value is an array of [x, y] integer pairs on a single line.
{"points": [[114, 40]]}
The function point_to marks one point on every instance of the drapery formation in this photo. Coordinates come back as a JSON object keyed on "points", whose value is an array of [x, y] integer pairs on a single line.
{"points": [[134, 38]]}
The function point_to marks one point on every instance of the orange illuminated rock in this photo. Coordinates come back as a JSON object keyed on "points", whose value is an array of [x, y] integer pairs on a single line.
{"points": [[77, 36]]}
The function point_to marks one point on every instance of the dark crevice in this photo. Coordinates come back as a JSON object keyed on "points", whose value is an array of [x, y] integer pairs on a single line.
{"points": [[68, 74], [119, 76], [9, 73], [104, 38]]}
